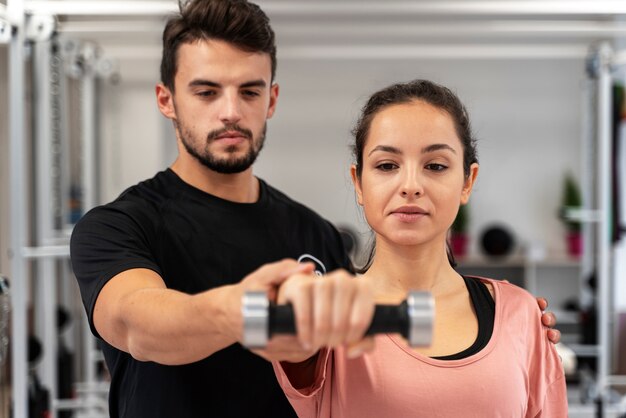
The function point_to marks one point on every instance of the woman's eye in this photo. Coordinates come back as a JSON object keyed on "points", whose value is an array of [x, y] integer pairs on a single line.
{"points": [[436, 167], [386, 166]]}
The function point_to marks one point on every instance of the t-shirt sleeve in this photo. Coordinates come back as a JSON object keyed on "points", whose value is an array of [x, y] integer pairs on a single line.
{"points": [[107, 241], [307, 401], [555, 402], [548, 393]]}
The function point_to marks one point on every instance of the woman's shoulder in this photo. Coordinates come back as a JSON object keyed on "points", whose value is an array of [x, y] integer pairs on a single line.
{"points": [[507, 291]]}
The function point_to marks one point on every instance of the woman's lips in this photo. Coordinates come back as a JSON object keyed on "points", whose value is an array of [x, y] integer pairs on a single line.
{"points": [[409, 213]]}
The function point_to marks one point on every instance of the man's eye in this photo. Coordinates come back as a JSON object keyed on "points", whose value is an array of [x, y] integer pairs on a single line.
{"points": [[206, 93], [250, 93]]}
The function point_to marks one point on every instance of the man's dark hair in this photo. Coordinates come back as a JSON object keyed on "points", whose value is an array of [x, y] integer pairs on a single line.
{"points": [[238, 22]]}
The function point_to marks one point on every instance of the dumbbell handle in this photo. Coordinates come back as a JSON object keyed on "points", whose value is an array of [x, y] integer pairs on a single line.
{"points": [[413, 319], [387, 319]]}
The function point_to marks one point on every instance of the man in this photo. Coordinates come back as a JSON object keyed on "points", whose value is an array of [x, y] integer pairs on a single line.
{"points": [[162, 269]]}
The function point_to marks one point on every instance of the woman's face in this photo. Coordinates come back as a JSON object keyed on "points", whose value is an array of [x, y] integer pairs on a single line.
{"points": [[412, 181]]}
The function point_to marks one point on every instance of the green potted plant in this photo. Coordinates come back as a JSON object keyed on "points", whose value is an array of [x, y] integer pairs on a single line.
{"points": [[571, 201], [458, 232]]}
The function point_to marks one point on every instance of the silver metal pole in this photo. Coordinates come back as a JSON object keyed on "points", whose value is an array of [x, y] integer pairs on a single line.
{"points": [[16, 89], [88, 129], [604, 207], [89, 190], [45, 290]]}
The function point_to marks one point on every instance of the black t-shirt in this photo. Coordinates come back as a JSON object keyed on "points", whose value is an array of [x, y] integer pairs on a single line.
{"points": [[195, 241]]}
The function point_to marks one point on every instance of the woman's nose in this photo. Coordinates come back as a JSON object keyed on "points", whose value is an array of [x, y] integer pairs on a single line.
{"points": [[411, 185]]}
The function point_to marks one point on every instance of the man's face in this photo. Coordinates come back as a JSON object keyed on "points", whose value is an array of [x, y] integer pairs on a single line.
{"points": [[223, 97]]}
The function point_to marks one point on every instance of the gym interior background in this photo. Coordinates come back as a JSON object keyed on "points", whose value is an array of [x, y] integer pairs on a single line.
{"points": [[543, 81]]}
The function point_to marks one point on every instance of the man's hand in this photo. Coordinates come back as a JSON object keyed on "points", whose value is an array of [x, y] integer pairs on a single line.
{"points": [[549, 320], [266, 278]]}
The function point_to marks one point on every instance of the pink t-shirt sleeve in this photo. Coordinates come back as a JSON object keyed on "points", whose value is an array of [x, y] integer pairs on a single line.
{"points": [[547, 389], [307, 401], [555, 402]]}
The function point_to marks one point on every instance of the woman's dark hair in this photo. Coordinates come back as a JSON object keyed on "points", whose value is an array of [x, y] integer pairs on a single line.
{"points": [[238, 22], [417, 90]]}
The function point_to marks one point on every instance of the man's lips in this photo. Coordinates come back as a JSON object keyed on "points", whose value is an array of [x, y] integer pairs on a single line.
{"points": [[232, 137], [232, 134]]}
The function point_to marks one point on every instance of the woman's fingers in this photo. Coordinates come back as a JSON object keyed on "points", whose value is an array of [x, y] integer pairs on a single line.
{"points": [[357, 349], [329, 311]]}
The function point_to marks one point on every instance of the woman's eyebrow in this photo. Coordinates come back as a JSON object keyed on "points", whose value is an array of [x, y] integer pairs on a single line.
{"points": [[437, 147], [385, 148], [425, 150]]}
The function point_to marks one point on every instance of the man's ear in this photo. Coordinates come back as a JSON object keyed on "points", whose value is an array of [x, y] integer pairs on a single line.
{"points": [[469, 183], [165, 101], [357, 184], [274, 90]]}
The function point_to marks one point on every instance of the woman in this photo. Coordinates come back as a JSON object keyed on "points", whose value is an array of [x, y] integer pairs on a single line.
{"points": [[415, 164]]}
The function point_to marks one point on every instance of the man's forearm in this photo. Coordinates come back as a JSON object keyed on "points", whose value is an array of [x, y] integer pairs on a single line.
{"points": [[170, 327]]}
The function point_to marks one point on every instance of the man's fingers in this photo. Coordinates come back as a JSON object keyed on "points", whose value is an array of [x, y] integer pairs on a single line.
{"points": [[554, 335], [272, 274], [543, 303], [548, 319]]}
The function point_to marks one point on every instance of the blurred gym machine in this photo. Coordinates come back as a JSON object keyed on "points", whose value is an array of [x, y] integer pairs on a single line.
{"points": [[53, 84], [598, 272]]}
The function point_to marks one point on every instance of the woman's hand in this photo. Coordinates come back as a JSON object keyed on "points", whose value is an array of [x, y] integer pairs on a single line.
{"points": [[330, 311]]}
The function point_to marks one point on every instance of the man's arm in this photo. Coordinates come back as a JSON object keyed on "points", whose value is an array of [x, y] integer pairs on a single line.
{"points": [[136, 313]]}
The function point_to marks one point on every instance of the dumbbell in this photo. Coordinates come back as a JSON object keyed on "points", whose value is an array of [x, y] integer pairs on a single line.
{"points": [[413, 318]]}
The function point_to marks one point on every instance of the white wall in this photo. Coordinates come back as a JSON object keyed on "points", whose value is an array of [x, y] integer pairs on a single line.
{"points": [[132, 145], [526, 116]]}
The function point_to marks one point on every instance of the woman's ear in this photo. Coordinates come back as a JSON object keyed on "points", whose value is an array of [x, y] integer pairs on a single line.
{"points": [[357, 184], [469, 183]]}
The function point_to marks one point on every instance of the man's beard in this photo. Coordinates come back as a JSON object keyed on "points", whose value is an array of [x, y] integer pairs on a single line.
{"points": [[224, 165]]}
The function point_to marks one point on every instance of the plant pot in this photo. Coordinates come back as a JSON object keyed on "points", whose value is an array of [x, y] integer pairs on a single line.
{"points": [[574, 244], [458, 244]]}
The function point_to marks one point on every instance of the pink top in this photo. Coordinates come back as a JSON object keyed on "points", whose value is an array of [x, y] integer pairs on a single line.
{"points": [[518, 374]]}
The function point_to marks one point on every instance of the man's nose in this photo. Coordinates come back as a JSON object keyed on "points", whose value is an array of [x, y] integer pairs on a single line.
{"points": [[230, 108]]}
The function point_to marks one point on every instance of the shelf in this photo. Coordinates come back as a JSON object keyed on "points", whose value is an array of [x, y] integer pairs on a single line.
{"points": [[584, 350], [491, 262], [517, 261]]}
